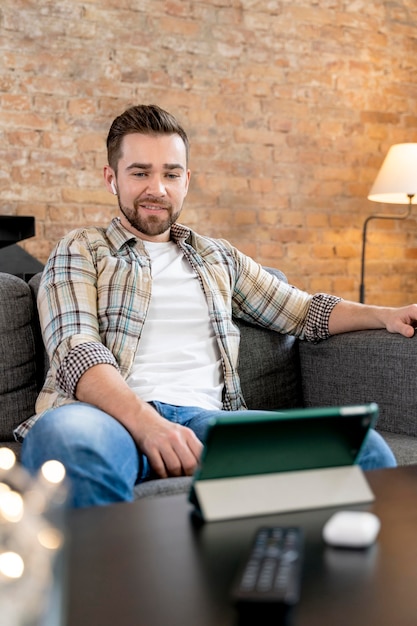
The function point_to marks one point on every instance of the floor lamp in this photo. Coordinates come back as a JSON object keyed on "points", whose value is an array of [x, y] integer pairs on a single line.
{"points": [[396, 183]]}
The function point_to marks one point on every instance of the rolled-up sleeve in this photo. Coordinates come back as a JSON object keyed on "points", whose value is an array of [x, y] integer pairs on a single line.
{"points": [[78, 361], [317, 320]]}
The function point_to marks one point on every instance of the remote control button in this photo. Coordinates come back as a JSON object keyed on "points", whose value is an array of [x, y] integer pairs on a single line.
{"points": [[290, 555]]}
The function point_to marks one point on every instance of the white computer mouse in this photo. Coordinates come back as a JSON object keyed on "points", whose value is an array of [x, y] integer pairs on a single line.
{"points": [[351, 529]]}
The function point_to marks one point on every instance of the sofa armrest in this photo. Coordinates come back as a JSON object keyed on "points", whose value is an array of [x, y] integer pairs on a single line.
{"points": [[364, 366]]}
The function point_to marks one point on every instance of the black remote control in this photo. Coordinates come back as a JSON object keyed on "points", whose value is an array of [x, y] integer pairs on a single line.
{"points": [[272, 571]]}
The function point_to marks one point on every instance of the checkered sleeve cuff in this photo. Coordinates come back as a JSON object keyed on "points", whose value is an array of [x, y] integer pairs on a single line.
{"points": [[317, 323], [78, 361]]}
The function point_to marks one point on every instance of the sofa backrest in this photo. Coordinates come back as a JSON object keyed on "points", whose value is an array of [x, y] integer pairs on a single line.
{"points": [[19, 373]]}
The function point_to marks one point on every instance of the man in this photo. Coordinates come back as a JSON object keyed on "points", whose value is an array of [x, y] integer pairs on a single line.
{"points": [[136, 320]]}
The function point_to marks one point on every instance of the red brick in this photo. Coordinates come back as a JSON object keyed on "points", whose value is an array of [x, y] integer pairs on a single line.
{"points": [[15, 102], [85, 196], [25, 120], [28, 138], [82, 107], [91, 142]]}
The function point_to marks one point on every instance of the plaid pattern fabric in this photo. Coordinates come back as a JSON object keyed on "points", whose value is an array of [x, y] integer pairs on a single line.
{"points": [[95, 292]]}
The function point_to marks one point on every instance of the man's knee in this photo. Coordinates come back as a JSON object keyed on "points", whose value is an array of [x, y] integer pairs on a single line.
{"points": [[376, 453], [98, 453]]}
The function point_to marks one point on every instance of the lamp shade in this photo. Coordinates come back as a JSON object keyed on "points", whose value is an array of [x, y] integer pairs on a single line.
{"points": [[397, 179]]}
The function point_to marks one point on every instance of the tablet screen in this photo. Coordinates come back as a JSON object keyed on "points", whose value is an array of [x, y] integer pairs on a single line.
{"points": [[265, 442]]}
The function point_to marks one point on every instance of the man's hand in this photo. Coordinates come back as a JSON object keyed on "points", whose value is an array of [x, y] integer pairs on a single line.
{"points": [[171, 449], [402, 320]]}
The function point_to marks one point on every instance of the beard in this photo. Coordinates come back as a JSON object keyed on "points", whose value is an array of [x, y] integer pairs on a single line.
{"points": [[150, 225]]}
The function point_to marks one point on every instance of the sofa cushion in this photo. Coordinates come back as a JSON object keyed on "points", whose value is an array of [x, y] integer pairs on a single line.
{"points": [[268, 369], [163, 487], [404, 447], [18, 383]]}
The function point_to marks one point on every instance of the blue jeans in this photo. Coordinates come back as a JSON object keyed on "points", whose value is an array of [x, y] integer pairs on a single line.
{"points": [[102, 461]]}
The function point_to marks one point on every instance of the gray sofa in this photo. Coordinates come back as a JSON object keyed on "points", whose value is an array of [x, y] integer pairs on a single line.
{"points": [[276, 371]]}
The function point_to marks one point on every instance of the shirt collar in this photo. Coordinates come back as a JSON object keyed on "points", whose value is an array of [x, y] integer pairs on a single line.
{"points": [[119, 236]]}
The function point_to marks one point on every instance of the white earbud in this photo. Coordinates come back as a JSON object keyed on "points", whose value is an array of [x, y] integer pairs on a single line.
{"points": [[113, 188]]}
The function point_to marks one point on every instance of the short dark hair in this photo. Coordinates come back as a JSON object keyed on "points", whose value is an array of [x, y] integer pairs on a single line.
{"points": [[148, 119]]}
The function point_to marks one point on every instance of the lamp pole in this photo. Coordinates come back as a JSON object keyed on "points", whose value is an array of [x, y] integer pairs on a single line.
{"points": [[365, 226]]}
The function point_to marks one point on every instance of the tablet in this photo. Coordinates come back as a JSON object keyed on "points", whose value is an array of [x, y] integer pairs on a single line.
{"points": [[262, 442]]}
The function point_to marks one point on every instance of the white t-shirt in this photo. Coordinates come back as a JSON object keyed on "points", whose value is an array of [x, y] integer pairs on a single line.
{"points": [[178, 359]]}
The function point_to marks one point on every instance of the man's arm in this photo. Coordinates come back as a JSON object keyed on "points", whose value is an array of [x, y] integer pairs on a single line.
{"points": [[172, 449], [347, 316]]}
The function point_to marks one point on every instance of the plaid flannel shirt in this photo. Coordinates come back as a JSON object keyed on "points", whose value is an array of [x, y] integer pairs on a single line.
{"points": [[95, 293]]}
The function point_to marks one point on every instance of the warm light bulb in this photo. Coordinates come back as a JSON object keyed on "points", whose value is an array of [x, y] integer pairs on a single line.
{"points": [[50, 538], [7, 458], [11, 506], [11, 564], [53, 472]]}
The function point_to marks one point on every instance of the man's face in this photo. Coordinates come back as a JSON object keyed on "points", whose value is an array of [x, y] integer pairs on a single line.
{"points": [[152, 182]]}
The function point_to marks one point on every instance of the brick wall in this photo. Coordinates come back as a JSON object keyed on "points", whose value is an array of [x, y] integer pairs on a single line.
{"points": [[290, 106]]}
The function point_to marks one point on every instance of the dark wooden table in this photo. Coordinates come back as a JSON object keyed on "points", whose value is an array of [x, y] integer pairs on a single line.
{"points": [[149, 564]]}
